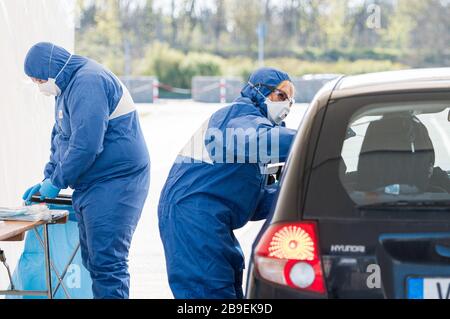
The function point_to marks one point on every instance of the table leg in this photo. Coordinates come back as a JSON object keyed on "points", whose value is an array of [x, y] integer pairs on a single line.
{"points": [[63, 275], [52, 266], [48, 272]]}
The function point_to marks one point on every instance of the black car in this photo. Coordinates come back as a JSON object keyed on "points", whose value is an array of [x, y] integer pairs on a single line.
{"points": [[363, 209]]}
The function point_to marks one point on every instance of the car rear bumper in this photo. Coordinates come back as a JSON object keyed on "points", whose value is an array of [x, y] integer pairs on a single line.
{"points": [[258, 288]]}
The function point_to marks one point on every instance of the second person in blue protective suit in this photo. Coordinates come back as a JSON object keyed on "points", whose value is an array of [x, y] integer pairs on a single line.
{"points": [[216, 186], [97, 149]]}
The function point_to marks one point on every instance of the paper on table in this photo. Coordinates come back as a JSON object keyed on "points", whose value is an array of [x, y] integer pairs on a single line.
{"points": [[9, 212], [27, 213]]}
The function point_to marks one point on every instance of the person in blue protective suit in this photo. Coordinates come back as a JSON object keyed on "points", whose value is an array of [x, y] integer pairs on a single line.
{"points": [[97, 149], [216, 186]]}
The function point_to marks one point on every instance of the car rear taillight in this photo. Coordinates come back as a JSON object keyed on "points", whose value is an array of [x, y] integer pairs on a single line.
{"points": [[288, 254]]}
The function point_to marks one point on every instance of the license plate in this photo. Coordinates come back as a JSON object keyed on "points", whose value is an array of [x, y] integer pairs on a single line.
{"points": [[428, 288]]}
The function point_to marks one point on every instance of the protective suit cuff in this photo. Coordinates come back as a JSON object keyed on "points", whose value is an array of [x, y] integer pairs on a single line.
{"points": [[56, 184]]}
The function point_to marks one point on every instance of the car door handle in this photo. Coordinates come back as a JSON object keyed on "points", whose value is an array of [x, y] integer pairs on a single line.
{"points": [[443, 251]]}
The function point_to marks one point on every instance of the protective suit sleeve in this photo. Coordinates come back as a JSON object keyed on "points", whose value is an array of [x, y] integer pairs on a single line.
{"points": [[266, 200], [50, 166], [89, 114], [263, 143]]}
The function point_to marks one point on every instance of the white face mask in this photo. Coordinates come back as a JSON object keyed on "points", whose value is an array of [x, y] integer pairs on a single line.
{"points": [[277, 111], [50, 88]]}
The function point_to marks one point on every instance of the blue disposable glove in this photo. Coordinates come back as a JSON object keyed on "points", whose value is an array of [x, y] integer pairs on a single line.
{"points": [[30, 192], [48, 190]]}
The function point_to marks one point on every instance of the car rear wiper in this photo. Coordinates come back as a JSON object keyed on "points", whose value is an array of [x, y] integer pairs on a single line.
{"points": [[403, 204]]}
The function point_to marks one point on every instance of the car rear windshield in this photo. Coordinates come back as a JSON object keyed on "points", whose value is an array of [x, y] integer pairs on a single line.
{"points": [[389, 155], [398, 152]]}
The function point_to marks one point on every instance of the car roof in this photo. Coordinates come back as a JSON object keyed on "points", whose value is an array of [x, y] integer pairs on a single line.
{"points": [[392, 81]]}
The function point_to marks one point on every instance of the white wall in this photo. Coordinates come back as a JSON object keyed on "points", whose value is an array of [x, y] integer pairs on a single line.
{"points": [[26, 116]]}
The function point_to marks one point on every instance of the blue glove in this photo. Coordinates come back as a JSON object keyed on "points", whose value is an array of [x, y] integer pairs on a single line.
{"points": [[47, 190], [30, 192]]}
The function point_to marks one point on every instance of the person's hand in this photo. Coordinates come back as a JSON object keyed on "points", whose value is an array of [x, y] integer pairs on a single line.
{"points": [[30, 192], [48, 190]]}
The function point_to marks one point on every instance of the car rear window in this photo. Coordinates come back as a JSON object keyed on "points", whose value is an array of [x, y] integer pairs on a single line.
{"points": [[382, 155], [397, 152]]}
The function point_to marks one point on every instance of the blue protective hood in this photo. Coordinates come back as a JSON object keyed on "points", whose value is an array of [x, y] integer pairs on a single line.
{"points": [[266, 76], [38, 65]]}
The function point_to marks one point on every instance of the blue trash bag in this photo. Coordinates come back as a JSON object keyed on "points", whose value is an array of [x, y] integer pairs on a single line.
{"points": [[63, 239]]}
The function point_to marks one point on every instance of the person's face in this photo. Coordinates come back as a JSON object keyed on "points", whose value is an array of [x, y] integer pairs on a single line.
{"points": [[38, 81], [284, 91]]}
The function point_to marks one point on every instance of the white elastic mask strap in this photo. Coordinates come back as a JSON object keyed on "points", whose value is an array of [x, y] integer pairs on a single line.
{"points": [[67, 62], [50, 60], [257, 90]]}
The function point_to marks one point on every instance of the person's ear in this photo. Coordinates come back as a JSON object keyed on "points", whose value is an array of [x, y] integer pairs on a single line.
{"points": [[272, 97]]}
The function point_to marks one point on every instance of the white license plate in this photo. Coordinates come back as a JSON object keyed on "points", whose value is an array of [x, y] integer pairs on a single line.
{"points": [[428, 288]]}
